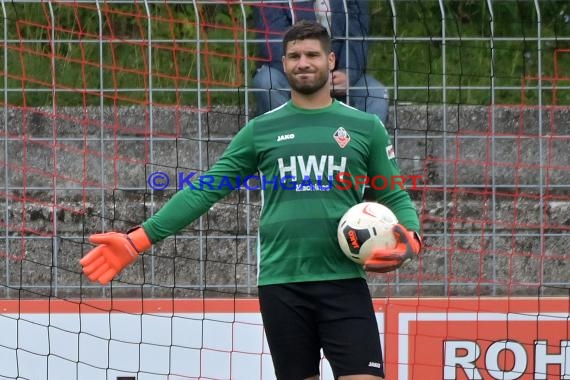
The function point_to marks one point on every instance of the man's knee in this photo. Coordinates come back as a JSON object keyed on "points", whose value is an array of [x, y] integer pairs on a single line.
{"points": [[376, 90], [268, 78], [261, 78]]}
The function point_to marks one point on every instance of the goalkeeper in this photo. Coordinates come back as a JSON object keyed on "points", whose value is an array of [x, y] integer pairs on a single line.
{"points": [[311, 295]]}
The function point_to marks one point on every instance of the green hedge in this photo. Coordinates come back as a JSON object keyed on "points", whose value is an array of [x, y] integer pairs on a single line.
{"points": [[410, 54]]}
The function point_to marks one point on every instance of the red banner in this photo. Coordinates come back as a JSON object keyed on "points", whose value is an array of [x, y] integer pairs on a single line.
{"points": [[475, 338]]}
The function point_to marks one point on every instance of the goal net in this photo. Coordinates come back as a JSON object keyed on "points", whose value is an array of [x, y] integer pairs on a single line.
{"points": [[110, 107]]}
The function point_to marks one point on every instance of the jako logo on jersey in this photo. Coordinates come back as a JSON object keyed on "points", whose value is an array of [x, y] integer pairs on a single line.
{"points": [[311, 166], [290, 136], [374, 364], [341, 137]]}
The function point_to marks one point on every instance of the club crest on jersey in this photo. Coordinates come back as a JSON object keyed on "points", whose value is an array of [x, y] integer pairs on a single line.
{"points": [[341, 137]]}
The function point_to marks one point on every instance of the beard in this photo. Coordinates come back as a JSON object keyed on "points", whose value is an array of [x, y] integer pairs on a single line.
{"points": [[308, 87]]}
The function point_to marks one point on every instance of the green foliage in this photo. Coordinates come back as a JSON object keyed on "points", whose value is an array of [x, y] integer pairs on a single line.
{"points": [[194, 63], [482, 50]]}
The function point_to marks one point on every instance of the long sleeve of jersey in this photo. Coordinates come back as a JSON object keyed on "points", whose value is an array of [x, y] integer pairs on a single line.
{"points": [[382, 161], [237, 161]]}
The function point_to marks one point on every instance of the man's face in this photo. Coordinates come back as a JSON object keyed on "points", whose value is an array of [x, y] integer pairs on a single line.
{"points": [[307, 65]]}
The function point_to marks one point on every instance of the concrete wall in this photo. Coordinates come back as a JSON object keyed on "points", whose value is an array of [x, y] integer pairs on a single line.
{"points": [[494, 202]]}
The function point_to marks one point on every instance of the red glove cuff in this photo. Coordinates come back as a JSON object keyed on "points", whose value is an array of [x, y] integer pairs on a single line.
{"points": [[415, 241], [139, 239]]}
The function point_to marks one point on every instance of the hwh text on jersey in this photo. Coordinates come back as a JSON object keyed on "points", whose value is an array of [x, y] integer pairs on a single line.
{"points": [[311, 166]]}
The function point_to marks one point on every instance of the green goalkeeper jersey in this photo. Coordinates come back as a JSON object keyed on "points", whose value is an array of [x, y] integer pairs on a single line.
{"points": [[297, 155]]}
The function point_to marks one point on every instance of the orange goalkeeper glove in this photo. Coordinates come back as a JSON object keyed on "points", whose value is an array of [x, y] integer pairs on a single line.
{"points": [[115, 252], [408, 246]]}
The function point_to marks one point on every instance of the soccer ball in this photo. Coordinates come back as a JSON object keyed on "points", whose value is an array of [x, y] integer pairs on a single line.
{"points": [[363, 227]]}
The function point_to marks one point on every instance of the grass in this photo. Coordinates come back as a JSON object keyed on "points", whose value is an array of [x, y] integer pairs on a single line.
{"points": [[477, 60]]}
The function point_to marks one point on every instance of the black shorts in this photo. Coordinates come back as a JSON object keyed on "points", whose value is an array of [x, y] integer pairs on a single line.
{"points": [[337, 316]]}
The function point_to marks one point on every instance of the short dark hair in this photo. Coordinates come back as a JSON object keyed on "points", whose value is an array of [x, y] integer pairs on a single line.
{"points": [[306, 29]]}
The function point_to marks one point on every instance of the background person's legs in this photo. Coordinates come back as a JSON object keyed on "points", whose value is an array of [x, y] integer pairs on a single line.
{"points": [[371, 96], [276, 86]]}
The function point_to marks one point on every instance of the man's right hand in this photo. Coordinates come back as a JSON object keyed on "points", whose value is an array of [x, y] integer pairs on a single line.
{"points": [[114, 252], [339, 82]]}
